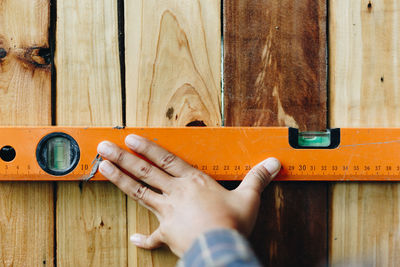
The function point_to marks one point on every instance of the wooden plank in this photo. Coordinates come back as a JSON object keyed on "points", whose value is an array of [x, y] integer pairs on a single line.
{"points": [[275, 74], [26, 209], [91, 217], [275, 63], [172, 79], [364, 67]]}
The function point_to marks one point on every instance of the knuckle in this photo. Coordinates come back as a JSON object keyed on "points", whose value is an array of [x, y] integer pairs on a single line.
{"points": [[144, 171], [260, 174], [167, 160], [199, 178], [149, 243], [116, 175], [143, 147], [139, 193], [119, 156], [162, 233]]}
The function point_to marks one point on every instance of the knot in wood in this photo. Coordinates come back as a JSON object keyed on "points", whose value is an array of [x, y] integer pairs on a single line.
{"points": [[3, 53], [39, 56]]}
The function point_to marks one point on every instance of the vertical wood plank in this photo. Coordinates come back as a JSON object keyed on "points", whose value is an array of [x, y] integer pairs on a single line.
{"points": [[26, 209], [275, 74], [365, 76], [275, 63], [172, 79], [91, 217]]}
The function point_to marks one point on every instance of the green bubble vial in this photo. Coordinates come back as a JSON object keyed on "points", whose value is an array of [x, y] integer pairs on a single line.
{"points": [[58, 157], [314, 139]]}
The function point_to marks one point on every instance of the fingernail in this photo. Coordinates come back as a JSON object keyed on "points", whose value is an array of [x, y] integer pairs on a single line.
{"points": [[106, 168], [273, 166], [104, 148], [136, 239], [132, 141]]}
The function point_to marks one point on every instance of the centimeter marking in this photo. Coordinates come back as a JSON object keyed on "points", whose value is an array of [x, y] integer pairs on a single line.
{"points": [[237, 171]]}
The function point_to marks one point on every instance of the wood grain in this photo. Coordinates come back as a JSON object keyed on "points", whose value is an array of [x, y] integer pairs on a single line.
{"points": [[275, 74], [25, 85], [275, 63], [364, 70], [26, 209], [172, 79], [172, 62], [91, 217]]}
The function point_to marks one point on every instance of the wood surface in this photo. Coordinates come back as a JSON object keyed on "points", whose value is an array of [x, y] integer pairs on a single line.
{"points": [[275, 63], [26, 209], [172, 79], [90, 217], [364, 89], [275, 74]]}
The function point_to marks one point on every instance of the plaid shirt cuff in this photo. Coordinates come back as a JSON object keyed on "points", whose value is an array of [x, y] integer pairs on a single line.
{"points": [[221, 247]]}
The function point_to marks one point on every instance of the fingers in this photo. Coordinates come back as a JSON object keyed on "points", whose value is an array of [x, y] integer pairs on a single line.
{"points": [[140, 168], [161, 157], [261, 175], [147, 242], [132, 188]]}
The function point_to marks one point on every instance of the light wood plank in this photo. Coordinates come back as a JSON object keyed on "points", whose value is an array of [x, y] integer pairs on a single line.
{"points": [[275, 74], [172, 79], [26, 209], [25, 82], [364, 67], [91, 217], [172, 62]]}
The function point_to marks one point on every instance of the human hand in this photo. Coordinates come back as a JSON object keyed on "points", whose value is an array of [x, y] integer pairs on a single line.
{"points": [[187, 202]]}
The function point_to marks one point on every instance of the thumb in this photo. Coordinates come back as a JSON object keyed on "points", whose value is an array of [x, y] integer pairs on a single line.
{"points": [[147, 242], [261, 175]]}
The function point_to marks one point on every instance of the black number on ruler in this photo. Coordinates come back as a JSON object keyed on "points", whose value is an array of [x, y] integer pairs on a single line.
{"points": [[345, 168], [247, 167], [312, 167], [324, 168], [388, 168], [367, 168], [302, 167], [85, 167], [291, 168], [377, 168], [237, 168], [28, 167], [195, 166], [356, 168], [334, 168], [204, 167], [226, 168], [215, 168]]}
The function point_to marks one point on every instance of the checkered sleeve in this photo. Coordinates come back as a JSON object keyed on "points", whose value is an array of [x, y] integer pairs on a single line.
{"points": [[221, 247]]}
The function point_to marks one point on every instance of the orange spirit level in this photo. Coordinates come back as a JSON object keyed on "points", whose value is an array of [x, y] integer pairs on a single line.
{"points": [[60, 154]]}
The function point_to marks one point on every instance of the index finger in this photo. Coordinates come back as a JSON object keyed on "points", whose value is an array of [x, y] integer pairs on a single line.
{"points": [[158, 155]]}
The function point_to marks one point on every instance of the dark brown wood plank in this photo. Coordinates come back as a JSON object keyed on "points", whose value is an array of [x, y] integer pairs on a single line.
{"points": [[275, 63], [275, 75]]}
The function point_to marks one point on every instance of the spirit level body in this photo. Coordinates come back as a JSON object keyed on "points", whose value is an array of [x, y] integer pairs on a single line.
{"points": [[225, 153]]}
